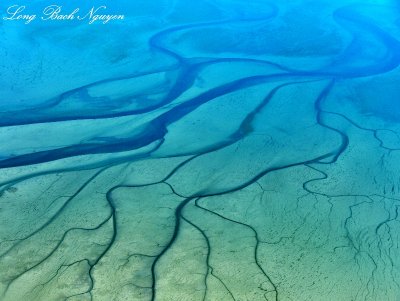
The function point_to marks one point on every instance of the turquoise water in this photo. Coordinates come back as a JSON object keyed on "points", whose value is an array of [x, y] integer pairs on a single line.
{"points": [[203, 150]]}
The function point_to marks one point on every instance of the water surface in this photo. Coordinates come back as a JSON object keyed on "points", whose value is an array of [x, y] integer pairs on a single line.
{"points": [[202, 150]]}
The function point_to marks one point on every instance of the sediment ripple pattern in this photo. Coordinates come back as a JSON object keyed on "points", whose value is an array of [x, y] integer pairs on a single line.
{"points": [[203, 150]]}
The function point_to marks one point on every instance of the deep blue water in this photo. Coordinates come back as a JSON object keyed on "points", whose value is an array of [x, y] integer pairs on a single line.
{"points": [[203, 150]]}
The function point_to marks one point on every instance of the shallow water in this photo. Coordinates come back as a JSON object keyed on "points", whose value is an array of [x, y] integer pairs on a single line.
{"points": [[202, 150]]}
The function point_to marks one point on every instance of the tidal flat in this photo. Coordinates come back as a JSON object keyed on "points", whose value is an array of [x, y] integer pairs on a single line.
{"points": [[207, 150]]}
